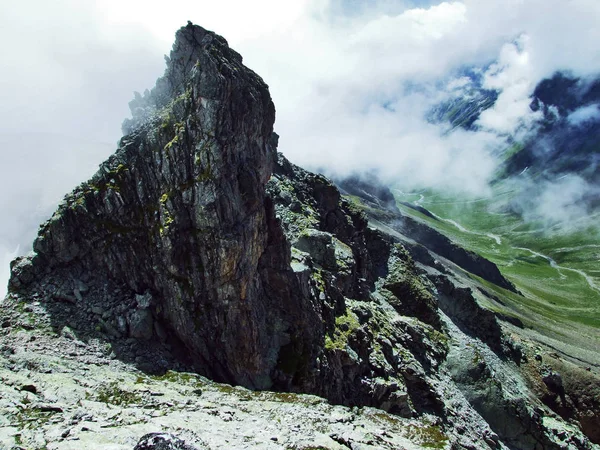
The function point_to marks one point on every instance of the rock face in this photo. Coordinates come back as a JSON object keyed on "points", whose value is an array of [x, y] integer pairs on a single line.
{"points": [[197, 246], [178, 213]]}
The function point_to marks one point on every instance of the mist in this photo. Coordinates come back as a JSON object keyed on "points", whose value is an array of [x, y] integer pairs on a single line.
{"points": [[352, 84], [585, 114], [556, 205]]}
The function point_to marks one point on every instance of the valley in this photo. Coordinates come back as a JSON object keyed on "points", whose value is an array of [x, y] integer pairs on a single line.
{"points": [[555, 269]]}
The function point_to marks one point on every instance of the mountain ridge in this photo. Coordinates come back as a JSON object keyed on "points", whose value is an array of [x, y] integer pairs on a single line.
{"points": [[198, 247]]}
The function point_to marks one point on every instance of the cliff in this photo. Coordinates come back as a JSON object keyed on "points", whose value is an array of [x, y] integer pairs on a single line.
{"points": [[196, 247]]}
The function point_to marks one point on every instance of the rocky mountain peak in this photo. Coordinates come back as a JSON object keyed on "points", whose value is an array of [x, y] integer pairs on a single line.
{"points": [[197, 247], [200, 58], [178, 214]]}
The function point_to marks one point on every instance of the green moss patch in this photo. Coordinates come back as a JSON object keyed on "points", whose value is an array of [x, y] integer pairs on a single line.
{"points": [[345, 326], [428, 436], [112, 394]]}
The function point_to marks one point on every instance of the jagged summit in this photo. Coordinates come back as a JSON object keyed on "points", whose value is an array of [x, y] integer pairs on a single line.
{"points": [[194, 46], [198, 247], [178, 211]]}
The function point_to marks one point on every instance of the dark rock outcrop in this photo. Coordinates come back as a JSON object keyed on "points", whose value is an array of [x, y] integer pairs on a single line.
{"points": [[381, 206], [161, 441], [197, 245], [179, 237], [178, 212], [360, 281], [440, 244], [369, 189]]}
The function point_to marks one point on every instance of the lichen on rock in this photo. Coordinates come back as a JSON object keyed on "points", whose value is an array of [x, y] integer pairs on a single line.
{"points": [[197, 246]]}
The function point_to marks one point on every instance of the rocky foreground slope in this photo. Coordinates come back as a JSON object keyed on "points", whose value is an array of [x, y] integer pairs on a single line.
{"points": [[196, 248]]}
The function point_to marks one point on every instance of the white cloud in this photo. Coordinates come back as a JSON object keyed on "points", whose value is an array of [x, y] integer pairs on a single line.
{"points": [[585, 114], [559, 202], [350, 91], [459, 83], [513, 76]]}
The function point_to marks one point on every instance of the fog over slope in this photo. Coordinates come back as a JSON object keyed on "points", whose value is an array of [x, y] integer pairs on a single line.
{"points": [[352, 84]]}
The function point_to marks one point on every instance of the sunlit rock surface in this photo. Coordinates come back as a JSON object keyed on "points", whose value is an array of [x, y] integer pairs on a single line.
{"points": [[197, 248]]}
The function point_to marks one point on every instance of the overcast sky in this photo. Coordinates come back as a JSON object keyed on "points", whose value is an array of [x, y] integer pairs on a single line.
{"points": [[351, 81]]}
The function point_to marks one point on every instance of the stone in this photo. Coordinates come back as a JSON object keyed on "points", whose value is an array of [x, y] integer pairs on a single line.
{"points": [[141, 324], [81, 286], [29, 388], [319, 245], [143, 301], [554, 382], [162, 441], [23, 270], [122, 324]]}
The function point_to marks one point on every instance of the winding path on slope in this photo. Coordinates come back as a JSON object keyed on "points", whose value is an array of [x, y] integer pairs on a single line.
{"points": [[590, 281], [559, 268], [495, 237]]}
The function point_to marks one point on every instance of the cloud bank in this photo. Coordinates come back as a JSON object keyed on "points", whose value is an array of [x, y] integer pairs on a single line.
{"points": [[352, 83], [585, 114], [555, 205]]}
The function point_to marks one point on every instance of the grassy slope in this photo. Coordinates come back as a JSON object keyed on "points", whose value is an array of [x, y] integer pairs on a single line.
{"points": [[562, 296]]}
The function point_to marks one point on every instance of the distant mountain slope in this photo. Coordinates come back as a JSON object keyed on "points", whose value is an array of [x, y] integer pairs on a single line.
{"points": [[464, 110], [568, 141]]}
